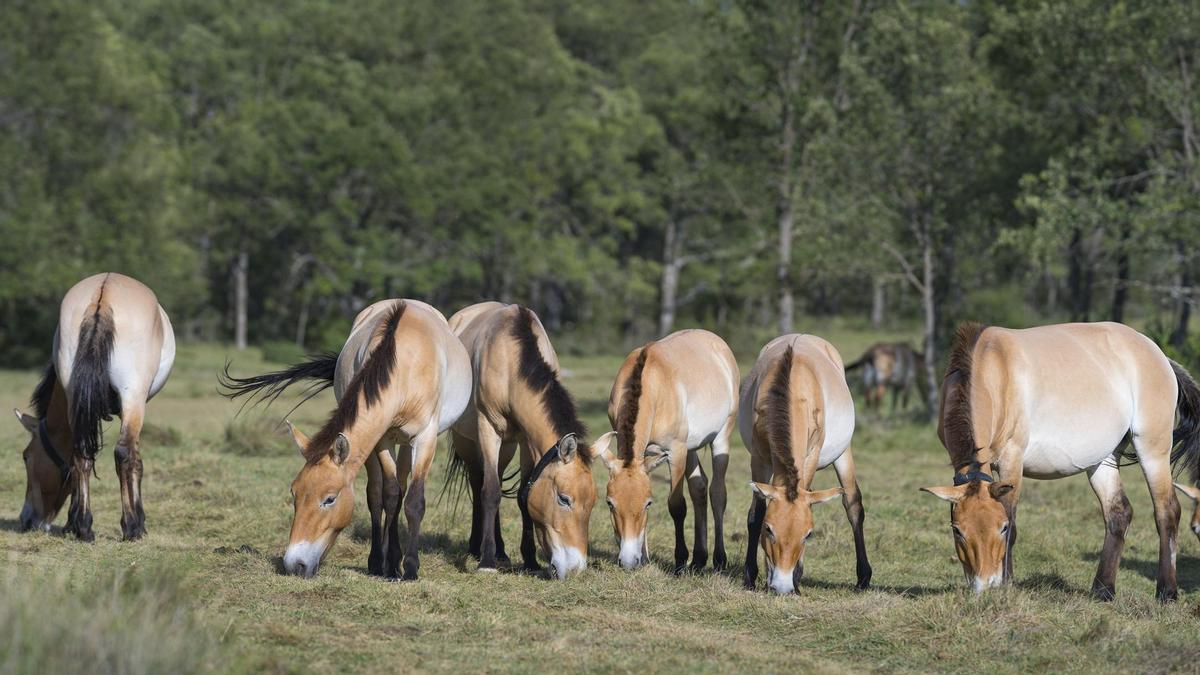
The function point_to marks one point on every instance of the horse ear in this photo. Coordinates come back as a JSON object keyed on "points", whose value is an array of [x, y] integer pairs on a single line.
{"points": [[998, 490], [28, 421], [1189, 490], [765, 490], [341, 449], [297, 436], [822, 496], [567, 446], [950, 494], [599, 450], [652, 459]]}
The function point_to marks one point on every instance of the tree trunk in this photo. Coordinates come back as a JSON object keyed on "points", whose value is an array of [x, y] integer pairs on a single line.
{"points": [[302, 318], [669, 284], [1184, 314], [1080, 277], [878, 301], [929, 306], [1121, 287], [786, 214], [241, 297]]}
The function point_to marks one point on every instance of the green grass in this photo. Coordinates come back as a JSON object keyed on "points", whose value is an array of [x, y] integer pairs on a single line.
{"points": [[201, 592]]}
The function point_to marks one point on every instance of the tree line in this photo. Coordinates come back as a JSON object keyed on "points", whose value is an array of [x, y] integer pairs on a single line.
{"points": [[623, 167]]}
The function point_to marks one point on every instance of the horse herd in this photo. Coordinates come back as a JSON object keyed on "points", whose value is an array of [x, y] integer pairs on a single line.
{"points": [[1044, 403]]}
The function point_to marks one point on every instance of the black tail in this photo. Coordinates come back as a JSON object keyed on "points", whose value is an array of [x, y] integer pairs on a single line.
{"points": [[270, 386], [92, 397], [457, 483], [1186, 452]]}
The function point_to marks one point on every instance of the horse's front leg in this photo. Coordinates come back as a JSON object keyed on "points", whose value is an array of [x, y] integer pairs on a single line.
{"points": [[375, 508], [424, 445], [852, 502]]}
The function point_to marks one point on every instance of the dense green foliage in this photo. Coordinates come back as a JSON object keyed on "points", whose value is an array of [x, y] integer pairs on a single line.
{"points": [[623, 167]]}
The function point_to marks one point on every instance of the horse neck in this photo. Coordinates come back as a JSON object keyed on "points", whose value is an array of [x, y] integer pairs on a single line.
{"points": [[365, 433], [532, 416]]}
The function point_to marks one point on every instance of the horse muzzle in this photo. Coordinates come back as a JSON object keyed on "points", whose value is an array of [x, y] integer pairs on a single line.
{"points": [[566, 560], [633, 553], [303, 558]]}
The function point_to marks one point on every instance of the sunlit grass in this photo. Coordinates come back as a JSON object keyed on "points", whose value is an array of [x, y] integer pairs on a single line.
{"points": [[203, 586]]}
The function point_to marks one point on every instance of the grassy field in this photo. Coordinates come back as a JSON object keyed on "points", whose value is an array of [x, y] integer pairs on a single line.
{"points": [[201, 591]]}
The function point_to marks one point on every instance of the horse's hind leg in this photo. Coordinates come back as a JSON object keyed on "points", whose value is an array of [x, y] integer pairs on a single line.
{"points": [[718, 495], [128, 458], [79, 517], [1106, 482], [698, 489], [1154, 455], [852, 502]]}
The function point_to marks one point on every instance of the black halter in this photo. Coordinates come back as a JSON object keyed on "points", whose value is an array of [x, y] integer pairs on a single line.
{"points": [[523, 494], [63, 468], [976, 474]]}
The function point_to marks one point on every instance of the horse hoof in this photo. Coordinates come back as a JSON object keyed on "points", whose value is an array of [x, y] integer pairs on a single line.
{"points": [[486, 570]]}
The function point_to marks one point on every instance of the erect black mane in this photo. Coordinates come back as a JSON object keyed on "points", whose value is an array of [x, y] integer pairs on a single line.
{"points": [[627, 415], [958, 430], [368, 384], [541, 378], [44, 392], [779, 427]]}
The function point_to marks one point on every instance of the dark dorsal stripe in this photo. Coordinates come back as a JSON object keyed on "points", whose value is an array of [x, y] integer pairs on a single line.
{"points": [[540, 378], [779, 426], [957, 427], [367, 384], [628, 414]]}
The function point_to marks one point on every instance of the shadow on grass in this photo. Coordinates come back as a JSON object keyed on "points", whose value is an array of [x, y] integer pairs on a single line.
{"points": [[1187, 569], [10, 525]]}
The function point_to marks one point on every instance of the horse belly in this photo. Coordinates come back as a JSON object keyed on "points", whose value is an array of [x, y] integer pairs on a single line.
{"points": [[1072, 446]]}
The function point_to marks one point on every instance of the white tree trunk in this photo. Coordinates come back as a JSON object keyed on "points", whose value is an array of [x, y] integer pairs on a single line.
{"points": [[930, 310], [240, 298], [878, 302], [669, 283]]}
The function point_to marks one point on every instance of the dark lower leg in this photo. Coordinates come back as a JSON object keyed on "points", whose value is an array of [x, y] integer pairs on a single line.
{"points": [[698, 487], [1167, 519], [677, 505], [490, 512], [414, 511], [476, 482], [393, 498], [717, 497], [80, 519], [501, 555], [852, 501], [375, 507], [528, 547], [129, 474], [754, 529], [1117, 515]]}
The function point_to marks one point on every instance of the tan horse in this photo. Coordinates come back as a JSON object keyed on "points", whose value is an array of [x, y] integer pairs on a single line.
{"points": [[796, 417], [519, 399], [886, 365], [113, 350], [402, 376], [670, 398], [1052, 402]]}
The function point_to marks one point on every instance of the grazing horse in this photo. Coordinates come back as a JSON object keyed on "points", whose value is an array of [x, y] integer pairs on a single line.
{"points": [[895, 366], [796, 417], [1055, 401], [402, 377], [113, 350], [670, 398], [519, 399]]}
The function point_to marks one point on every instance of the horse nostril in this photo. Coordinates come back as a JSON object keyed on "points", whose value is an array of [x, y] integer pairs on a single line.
{"points": [[301, 568]]}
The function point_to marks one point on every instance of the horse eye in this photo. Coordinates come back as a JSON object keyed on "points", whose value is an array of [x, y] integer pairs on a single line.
{"points": [[1004, 528], [808, 536], [770, 531], [649, 502], [957, 532], [564, 501], [612, 506], [328, 501]]}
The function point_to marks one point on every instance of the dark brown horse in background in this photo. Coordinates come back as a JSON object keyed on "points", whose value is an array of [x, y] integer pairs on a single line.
{"points": [[894, 366]]}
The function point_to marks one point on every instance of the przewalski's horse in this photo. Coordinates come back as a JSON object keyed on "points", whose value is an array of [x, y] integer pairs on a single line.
{"points": [[1052, 402], [895, 366], [113, 350], [402, 376], [670, 398], [796, 417], [519, 399]]}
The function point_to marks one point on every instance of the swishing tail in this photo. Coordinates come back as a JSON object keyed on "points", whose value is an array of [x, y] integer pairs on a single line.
{"points": [[1186, 452], [268, 387], [859, 363], [92, 397]]}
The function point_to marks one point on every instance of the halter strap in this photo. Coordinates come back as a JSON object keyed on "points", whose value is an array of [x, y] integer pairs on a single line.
{"points": [[48, 445], [964, 478], [523, 494]]}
